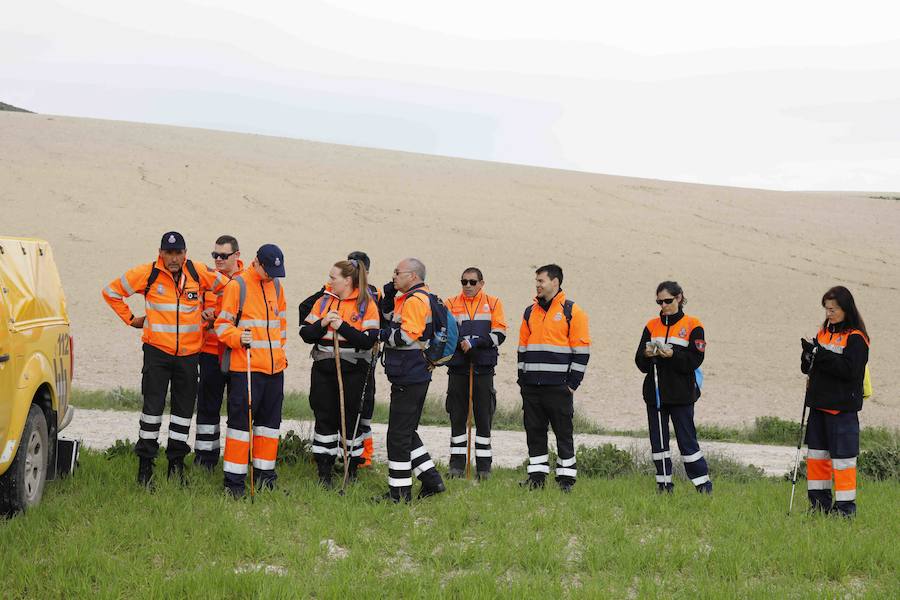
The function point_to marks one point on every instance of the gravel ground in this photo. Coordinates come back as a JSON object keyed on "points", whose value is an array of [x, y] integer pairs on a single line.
{"points": [[100, 428]]}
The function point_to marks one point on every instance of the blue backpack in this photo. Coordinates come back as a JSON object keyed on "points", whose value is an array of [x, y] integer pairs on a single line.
{"points": [[445, 333]]}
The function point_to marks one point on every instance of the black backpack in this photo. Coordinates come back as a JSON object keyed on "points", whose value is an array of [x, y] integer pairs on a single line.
{"points": [[154, 273]]}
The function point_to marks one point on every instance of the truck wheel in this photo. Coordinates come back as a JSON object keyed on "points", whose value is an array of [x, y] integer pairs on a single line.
{"points": [[22, 486]]}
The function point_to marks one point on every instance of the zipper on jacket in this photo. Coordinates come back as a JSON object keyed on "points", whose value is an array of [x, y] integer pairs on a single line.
{"points": [[262, 286]]}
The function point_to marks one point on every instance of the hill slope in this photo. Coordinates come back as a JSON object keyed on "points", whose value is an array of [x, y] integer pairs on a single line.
{"points": [[753, 263]]}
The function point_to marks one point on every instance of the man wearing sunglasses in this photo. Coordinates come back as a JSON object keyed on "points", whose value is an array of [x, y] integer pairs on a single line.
{"points": [[482, 328], [227, 257]]}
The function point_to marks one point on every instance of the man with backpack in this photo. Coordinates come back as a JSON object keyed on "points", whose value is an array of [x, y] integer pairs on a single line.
{"points": [[470, 388], [173, 289], [554, 348], [414, 314], [253, 326]]}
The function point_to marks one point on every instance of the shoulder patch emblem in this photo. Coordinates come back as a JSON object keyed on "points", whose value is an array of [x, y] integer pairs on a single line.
{"points": [[682, 332], [700, 345], [159, 288], [355, 317], [557, 317]]}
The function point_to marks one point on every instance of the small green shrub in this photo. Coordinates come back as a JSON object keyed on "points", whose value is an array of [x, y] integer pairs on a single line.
{"points": [[119, 448], [294, 448], [881, 462], [725, 467], [604, 461], [774, 430]]}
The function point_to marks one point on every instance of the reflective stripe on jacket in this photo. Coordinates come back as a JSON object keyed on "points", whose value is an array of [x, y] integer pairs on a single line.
{"points": [[481, 321], [173, 323], [676, 374], [264, 314], [838, 370], [356, 335], [409, 331], [553, 351]]}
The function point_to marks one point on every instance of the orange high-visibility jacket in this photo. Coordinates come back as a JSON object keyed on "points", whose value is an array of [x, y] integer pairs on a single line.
{"points": [[481, 321], [173, 322], [264, 314], [356, 336], [214, 301], [552, 350]]}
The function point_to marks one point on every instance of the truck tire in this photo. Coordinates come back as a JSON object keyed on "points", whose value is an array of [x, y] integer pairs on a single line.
{"points": [[22, 486]]}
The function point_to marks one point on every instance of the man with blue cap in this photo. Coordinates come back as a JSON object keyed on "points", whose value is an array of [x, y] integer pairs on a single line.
{"points": [[253, 326]]}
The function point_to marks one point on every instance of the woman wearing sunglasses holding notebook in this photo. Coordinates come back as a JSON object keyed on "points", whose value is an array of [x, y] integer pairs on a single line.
{"points": [[670, 353]]}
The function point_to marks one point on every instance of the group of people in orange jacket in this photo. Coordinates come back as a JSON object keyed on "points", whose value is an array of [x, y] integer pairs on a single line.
{"points": [[207, 330]]}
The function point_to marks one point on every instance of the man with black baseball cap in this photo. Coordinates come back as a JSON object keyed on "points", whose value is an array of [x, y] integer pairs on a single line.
{"points": [[173, 287], [253, 324]]}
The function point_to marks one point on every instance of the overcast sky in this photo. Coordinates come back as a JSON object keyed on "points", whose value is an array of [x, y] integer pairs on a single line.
{"points": [[784, 95]]}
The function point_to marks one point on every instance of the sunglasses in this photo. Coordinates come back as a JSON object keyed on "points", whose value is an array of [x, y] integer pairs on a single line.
{"points": [[222, 255], [665, 301], [472, 282]]}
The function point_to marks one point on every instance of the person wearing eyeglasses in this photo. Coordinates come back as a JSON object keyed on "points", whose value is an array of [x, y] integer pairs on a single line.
{"points": [[670, 353], [227, 257], [482, 328], [407, 307]]}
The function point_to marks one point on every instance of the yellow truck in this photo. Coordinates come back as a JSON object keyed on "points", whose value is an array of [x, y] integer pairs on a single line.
{"points": [[36, 363]]}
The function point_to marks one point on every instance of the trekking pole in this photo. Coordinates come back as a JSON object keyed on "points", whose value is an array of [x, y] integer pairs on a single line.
{"points": [[362, 399], [340, 378], [659, 421], [800, 440], [469, 425], [250, 426]]}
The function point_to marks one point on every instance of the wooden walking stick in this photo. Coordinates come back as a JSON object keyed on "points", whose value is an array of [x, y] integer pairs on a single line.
{"points": [[340, 378], [469, 425]]}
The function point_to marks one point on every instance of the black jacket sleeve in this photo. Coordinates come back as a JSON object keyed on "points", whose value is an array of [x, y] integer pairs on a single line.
{"points": [[643, 363], [307, 305], [851, 365], [312, 332], [364, 340], [687, 360]]}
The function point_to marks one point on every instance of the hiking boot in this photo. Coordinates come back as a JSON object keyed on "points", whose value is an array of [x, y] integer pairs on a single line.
{"points": [[326, 481], [454, 473], [483, 475], [395, 495], [431, 489], [206, 464], [235, 493], [145, 473], [705, 488], [266, 484], [176, 468], [566, 486], [532, 483], [665, 488]]}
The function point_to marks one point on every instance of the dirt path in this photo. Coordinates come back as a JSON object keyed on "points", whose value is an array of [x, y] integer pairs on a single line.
{"points": [[100, 428]]}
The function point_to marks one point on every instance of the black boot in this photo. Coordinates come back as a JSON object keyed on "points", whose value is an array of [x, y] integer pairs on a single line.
{"points": [[455, 473], [705, 488], [145, 473], [533, 483], [483, 475], [176, 468], [395, 495], [432, 484]]}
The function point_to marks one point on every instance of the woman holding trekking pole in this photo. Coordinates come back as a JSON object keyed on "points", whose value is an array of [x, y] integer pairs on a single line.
{"points": [[835, 361], [347, 310], [670, 353]]}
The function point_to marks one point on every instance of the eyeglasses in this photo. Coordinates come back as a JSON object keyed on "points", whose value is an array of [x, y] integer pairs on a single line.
{"points": [[665, 301], [222, 255], [396, 272], [472, 282]]}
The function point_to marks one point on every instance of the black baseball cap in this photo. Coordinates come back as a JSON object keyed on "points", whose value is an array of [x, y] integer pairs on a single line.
{"points": [[172, 240], [271, 258]]}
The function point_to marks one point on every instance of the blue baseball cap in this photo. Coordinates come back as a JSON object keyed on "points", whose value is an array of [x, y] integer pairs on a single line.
{"points": [[172, 240], [271, 258]]}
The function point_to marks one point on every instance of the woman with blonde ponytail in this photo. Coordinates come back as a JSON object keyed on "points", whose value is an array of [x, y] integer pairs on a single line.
{"points": [[348, 310]]}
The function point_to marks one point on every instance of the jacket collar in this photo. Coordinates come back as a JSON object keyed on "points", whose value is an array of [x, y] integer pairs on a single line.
{"points": [[670, 320], [545, 305]]}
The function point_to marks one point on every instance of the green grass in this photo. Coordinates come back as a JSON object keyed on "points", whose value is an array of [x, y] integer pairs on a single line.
{"points": [[97, 535]]}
